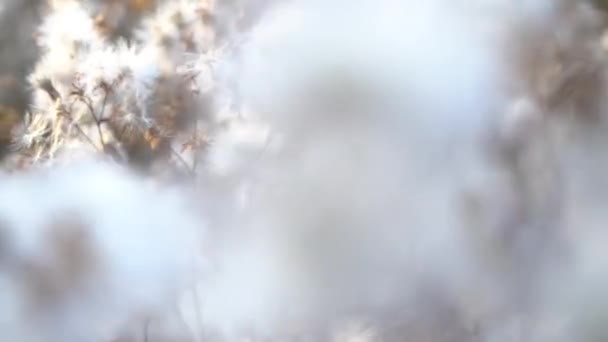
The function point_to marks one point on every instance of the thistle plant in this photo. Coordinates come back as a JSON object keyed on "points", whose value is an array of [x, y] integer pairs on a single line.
{"points": [[265, 170]]}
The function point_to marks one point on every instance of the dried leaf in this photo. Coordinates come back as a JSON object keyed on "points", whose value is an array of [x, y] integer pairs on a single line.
{"points": [[9, 119], [141, 5], [152, 138]]}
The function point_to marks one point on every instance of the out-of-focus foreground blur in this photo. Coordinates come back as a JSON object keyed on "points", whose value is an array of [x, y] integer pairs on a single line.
{"points": [[303, 170]]}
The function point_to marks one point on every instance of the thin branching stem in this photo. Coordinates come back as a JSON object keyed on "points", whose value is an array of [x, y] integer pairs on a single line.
{"points": [[195, 151], [80, 130], [87, 102], [182, 161]]}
